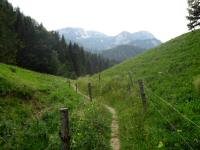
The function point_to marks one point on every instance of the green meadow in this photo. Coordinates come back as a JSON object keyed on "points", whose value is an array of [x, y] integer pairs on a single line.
{"points": [[30, 105]]}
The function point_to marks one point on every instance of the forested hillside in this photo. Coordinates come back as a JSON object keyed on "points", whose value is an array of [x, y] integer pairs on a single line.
{"points": [[26, 43]]}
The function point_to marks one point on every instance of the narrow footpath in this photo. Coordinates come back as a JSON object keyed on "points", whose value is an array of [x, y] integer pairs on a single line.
{"points": [[114, 141]]}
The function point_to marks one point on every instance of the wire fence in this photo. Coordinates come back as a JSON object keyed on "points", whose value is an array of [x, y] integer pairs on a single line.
{"points": [[189, 138], [186, 135], [172, 126], [171, 106], [175, 123]]}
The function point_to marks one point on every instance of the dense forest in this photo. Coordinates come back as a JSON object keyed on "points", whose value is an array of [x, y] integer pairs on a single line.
{"points": [[26, 43]]}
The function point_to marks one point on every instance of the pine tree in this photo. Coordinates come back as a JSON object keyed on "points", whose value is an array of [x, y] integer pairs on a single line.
{"points": [[194, 14]]}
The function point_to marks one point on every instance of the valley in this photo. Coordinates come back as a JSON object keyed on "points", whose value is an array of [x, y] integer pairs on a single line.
{"points": [[117, 48], [75, 89]]}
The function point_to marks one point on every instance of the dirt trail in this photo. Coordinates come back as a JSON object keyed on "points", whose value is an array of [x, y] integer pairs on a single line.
{"points": [[114, 141]]}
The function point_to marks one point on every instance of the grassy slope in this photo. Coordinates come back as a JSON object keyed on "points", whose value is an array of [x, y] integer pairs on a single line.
{"points": [[122, 52], [170, 71], [30, 117]]}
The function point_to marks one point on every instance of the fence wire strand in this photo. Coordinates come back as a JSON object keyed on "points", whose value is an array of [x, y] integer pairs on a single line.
{"points": [[185, 141], [170, 105]]}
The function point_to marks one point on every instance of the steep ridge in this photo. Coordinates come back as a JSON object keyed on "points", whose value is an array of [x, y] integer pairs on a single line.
{"points": [[171, 73]]}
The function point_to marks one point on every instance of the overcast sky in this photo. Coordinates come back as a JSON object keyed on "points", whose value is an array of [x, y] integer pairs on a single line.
{"points": [[164, 18]]}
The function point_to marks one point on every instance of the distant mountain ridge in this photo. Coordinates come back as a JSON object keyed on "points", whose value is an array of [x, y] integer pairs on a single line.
{"points": [[97, 41]]}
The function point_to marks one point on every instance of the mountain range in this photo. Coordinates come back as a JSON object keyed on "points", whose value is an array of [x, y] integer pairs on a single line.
{"points": [[95, 41]]}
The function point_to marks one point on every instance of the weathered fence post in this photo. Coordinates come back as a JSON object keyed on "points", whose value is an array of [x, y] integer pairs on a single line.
{"points": [[76, 87], [90, 91], [131, 80], [129, 87], [64, 133], [99, 78], [143, 96]]}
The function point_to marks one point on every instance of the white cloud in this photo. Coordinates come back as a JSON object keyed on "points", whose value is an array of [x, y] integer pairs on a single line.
{"points": [[164, 18]]}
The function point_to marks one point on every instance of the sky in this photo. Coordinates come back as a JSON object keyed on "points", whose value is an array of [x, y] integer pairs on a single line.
{"points": [[165, 19]]}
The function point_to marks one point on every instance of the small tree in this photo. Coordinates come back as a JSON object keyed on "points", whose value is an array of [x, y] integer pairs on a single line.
{"points": [[194, 14]]}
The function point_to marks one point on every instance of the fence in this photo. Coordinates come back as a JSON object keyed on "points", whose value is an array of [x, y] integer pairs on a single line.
{"points": [[145, 93]]}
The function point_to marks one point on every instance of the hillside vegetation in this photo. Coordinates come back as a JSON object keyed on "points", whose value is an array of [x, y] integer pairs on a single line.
{"points": [[30, 105], [122, 52], [171, 73]]}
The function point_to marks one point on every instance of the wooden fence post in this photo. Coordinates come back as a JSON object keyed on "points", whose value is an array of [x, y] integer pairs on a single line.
{"points": [[131, 80], [64, 133], [99, 78], [129, 87], [143, 96], [90, 91], [76, 87]]}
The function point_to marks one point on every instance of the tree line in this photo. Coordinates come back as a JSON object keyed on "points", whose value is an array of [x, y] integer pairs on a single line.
{"points": [[26, 43]]}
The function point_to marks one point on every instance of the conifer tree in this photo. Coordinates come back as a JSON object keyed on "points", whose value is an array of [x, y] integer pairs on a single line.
{"points": [[194, 14]]}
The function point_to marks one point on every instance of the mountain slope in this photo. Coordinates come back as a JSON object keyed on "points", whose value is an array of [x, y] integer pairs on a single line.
{"points": [[146, 43], [121, 52], [171, 73], [96, 41], [30, 117]]}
